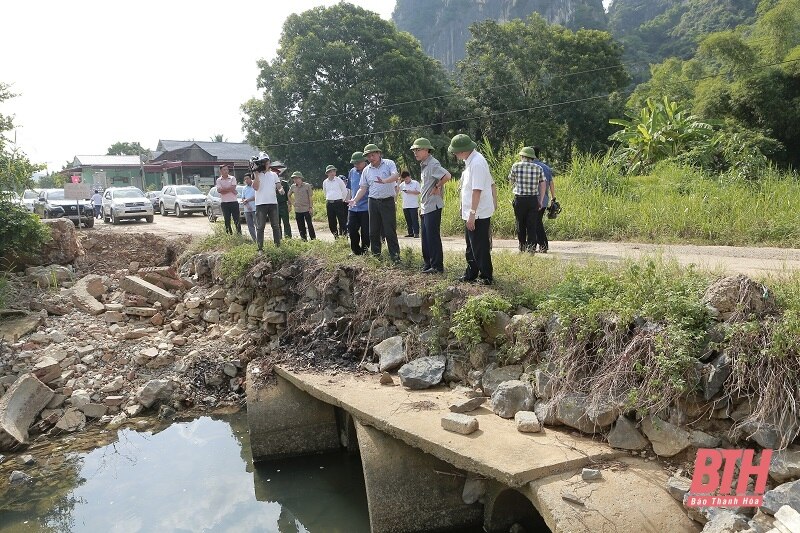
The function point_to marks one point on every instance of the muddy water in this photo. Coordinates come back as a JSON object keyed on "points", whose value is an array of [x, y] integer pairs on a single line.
{"points": [[188, 476]]}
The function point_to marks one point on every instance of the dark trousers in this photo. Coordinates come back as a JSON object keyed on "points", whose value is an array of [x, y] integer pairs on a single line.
{"points": [[358, 227], [382, 220], [266, 212], [412, 220], [541, 234], [337, 214], [97, 209], [479, 259], [231, 210], [303, 219], [525, 211], [283, 216], [432, 253]]}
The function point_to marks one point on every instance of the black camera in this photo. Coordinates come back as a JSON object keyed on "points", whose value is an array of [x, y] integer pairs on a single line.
{"points": [[259, 162]]}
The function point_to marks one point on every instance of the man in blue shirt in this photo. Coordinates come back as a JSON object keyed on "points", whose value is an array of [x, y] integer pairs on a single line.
{"points": [[249, 203], [378, 181], [358, 216], [549, 191]]}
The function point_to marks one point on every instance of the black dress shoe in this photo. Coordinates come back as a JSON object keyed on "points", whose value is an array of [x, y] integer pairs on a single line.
{"points": [[409, 235], [483, 281], [465, 279], [429, 271]]}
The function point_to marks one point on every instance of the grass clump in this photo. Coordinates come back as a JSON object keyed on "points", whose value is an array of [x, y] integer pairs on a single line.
{"points": [[469, 320]]}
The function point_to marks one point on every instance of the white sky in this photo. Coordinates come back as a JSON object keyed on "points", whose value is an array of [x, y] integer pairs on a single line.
{"points": [[92, 72]]}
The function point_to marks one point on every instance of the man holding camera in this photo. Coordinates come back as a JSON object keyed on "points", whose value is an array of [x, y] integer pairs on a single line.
{"points": [[267, 185]]}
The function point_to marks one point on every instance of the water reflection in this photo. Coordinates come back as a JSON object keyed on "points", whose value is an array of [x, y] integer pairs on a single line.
{"points": [[193, 476]]}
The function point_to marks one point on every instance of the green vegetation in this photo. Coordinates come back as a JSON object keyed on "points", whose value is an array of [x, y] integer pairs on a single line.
{"points": [[21, 233], [469, 320]]}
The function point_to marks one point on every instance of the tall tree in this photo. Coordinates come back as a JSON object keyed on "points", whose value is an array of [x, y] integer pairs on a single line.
{"points": [[15, 167], [218, 138], [526, 65], [126, 148], [341, 76]]}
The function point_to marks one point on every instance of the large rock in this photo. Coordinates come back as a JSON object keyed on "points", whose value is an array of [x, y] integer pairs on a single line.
{"points": [[19, 407], [726, 521], [494, 376], [63, 247], [83, 294], [785, 464], [546, 413], [153, 391], [678, 486], [527, 422], [773, 435], [422, 373], [716, 373], [512, 396], [49, 276], [496, 328], [153, 294], [667, 439], [786, 494], [543, 384], [573, 410], [625, 436], [737, 297], [72, 420], [390, 353]]}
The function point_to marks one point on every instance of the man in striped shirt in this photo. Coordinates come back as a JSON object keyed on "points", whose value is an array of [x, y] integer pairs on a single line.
{"points": [[528, 182]]}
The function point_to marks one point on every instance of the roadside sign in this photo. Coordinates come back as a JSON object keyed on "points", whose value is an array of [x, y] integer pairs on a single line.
{"points": [[77, 191]]}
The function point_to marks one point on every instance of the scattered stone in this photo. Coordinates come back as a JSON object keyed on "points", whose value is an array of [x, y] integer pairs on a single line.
{"points": [[785, 464], [153, 391], [678, 486], [737, 296], [467, 405], [386, 379], [136, 334], [56, 402], [165, 412], [152, 293], [157, 319], [494, 376], [113, 401], [785, 494], [27, 460], [19, 478], [49, 276], [114, 317], [47, 369], [572, 498], [115, 385], [591, 474], [145, 312], [94, 410], [80, 398], [512, 396], [726, 521], [84, 300], [527, 422], [422, 373], [716, 373], [699, 439], [460, 423], [390, 353], [667, 439], [72, 420], [230, 369], [117, 421], [211, 315], [571, 411], [474, 490], [625, 436], [542, 385], [18, 409], [788, 518]]}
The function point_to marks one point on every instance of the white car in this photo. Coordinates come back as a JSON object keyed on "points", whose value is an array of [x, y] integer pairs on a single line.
{"points": [[29, 198], [182, 200], [126, 203]]}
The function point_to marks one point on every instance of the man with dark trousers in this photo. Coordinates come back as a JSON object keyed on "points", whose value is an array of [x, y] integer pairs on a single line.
{"points": [[549, 192], [335, 201], [433, 177], [358, 216], [528, 181], [478, 203], [283, 201], [378, 181]]}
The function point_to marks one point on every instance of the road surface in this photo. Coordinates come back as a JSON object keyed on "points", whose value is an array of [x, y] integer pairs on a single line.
{"points": [[751, 261]]}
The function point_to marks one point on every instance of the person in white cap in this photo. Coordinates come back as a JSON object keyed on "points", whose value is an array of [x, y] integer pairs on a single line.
{"points": [[267, 185]]}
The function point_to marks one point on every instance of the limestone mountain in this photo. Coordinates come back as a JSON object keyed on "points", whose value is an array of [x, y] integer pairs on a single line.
{"points": [[442, 26]]}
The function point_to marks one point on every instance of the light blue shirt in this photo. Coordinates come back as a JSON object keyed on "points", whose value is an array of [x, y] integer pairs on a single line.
{"points": [[353, 181], [249, 193], [548, 176], [379, 190]]}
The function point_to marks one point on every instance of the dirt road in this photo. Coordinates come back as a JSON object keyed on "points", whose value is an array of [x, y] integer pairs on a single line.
{"points": [[750, 261]]}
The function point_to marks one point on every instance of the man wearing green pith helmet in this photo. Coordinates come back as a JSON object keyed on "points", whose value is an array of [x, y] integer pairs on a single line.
{"points": [[358, 217], [434, 176], [378, 181], [478, 204]]}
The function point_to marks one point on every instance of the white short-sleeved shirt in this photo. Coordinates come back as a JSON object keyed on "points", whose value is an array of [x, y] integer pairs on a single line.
{"points": [[476, 176], [410, 201], [335, 189], [266, 193]]}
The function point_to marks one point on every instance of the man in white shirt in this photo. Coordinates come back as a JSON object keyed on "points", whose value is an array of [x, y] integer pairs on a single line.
{"points": [[411, 190], [97, 202], [478, 203], [335, 201], [267, 185]]}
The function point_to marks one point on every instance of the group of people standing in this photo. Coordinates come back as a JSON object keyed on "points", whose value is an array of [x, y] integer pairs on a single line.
{"points": [[362, 204]]}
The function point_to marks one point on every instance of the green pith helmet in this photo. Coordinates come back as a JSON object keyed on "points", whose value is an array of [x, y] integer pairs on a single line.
{"points": [[329, 168], [357, 157], [297, 174], [422, 143], [461, 143], [528, 152], [277, 164], [368, 149]]}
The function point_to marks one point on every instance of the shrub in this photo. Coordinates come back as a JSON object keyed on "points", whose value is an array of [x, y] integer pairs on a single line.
{"points": [[469, 320], [21, 233]]}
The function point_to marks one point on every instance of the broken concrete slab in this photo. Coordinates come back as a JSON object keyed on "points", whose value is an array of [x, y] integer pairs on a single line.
{"points": [[84, 300], [152, 293], [18, 409]]}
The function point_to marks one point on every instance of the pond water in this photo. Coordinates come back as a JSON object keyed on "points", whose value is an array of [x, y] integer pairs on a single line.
{"points": [[188, 477]]}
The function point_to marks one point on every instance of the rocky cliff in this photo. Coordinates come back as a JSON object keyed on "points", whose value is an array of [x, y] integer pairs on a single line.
{"points": [[442, 26]]}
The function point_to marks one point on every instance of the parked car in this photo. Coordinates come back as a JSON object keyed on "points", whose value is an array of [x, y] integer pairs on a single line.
{"points": [[29, 198], [154, 197], [182, 200], [121, 203], [214, 204], [51, 204]]}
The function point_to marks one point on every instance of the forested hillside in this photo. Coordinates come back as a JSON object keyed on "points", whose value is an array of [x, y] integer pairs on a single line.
{"points": [[442, 26]]}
